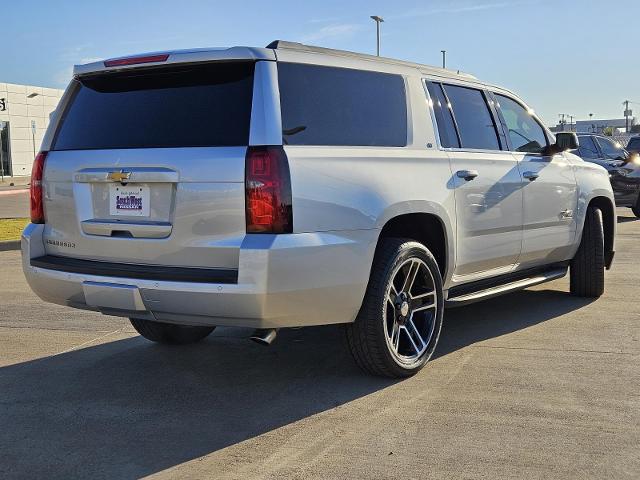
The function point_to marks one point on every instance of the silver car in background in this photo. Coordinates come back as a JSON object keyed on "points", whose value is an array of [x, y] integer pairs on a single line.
{"points": [[294, 186]]}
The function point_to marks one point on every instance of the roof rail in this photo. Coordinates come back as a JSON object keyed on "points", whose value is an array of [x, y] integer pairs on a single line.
{"points": [[285, 45]]}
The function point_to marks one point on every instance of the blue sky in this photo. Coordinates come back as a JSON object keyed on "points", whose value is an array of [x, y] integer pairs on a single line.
{"points": [[571, 56]]}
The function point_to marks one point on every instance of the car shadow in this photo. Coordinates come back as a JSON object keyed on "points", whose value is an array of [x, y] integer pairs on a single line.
{"points": [[129, 408], [626, 219], [500, 316]]}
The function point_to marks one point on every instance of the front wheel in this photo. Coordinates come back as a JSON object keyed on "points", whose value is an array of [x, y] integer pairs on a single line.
{"points": [[587, 267], [399, 323], [169, 333]]}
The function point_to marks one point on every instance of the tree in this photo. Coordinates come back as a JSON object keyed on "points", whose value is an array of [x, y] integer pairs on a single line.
{"points": [[608, 131]]}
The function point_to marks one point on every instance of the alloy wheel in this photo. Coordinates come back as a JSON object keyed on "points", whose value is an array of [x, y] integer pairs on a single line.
{"points": [[410, 311]]}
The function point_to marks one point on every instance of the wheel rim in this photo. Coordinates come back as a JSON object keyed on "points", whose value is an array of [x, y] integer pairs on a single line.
{"points": [[410, 311]]}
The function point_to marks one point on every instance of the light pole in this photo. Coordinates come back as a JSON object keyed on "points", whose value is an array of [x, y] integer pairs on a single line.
{"points": [[627, 114], [378, 21], [444, 58], [33, 127]]}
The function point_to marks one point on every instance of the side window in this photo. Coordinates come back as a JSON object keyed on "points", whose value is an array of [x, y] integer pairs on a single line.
{"points": [[341, 106], [473, 118], [588, 147], [609, 148], [525, 132], [444, 118]]}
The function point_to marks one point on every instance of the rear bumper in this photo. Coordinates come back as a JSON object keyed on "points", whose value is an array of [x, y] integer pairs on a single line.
{"points": [[282, 281]]}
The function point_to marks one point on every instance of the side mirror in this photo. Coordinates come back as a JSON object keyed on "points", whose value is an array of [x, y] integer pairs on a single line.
{"points": [[566, 141]]}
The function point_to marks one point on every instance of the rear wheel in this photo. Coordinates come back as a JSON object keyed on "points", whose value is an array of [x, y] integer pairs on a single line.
{"points": [[399, 323], [587, 267], [169, 333], [636, 208]]}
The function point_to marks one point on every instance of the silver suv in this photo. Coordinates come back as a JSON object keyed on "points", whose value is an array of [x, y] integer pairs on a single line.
{"points": [[293, 186]]}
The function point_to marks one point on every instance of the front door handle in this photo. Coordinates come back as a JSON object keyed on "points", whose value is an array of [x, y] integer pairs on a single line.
{"points": [[531, 176], [468, 175]]}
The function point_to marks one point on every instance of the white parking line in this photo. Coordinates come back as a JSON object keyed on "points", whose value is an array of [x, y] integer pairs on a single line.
{"points": [[14, 192]]}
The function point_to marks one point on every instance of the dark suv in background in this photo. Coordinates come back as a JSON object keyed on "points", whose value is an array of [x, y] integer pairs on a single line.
{"points": [[623, 167], [634, 145]]}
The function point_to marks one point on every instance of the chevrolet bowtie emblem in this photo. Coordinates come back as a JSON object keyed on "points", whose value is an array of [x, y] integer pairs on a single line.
{"points": [[120, 176]]}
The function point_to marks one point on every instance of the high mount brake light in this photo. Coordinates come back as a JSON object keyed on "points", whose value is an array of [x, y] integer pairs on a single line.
{"points": [[35, 189], [268, 191], [119, 62]]}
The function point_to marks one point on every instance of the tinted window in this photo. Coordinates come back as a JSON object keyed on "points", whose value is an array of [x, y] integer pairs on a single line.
{"points": [[473, 118], [634, 143], [588, 147], [446, 127], [609, 148], [339, 106], [207, 105], [525, 132]]}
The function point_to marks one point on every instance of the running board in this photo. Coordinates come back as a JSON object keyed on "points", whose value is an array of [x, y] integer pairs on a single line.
{"points": [[513, 286]]}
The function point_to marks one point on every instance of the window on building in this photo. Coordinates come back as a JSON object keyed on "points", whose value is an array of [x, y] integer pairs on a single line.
{"points": [[5, 151], [525, 133], [473, 118], [339, 106]]}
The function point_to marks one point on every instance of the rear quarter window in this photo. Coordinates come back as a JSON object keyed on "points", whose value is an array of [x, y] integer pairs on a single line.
{"points": [[339, 106], [188, 106]]}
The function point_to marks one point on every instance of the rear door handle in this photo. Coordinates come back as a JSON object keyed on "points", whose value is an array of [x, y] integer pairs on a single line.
{"points": [[468, 175], [531, 176]]}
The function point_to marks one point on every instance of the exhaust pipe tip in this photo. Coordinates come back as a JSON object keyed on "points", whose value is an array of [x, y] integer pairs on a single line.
{"points": [[264, 336]]}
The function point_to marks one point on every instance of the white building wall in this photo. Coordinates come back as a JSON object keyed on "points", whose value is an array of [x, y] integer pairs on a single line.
{"points": [[20, 111]]}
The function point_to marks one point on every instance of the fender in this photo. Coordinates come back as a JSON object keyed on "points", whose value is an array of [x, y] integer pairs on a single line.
{"points": [[431, 208], [593, 183]]}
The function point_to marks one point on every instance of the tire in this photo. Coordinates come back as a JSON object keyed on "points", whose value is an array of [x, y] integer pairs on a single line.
{"points": [[636, 208], [386, 338], [587, 267], [168, 333]]}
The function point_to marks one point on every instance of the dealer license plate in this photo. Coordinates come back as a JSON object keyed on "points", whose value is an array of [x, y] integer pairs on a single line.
{"points": [[129, 200]]}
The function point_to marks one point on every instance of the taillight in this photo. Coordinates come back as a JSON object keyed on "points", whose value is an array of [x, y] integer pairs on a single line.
{"points": [[268, 191], [35, 191], [119, 62]]}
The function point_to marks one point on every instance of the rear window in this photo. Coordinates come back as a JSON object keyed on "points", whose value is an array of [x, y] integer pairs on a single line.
{"points": [[340, 106], [193, 106]]}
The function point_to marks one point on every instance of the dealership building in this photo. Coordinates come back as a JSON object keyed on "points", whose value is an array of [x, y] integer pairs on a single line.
{"points": [[24, 117]]}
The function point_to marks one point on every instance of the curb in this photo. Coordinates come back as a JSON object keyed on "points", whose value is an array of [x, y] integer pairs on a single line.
{"points": [[10, 245]]}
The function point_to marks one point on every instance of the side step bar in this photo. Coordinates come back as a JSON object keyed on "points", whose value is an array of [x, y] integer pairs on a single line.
{"points": [[515, 285]]}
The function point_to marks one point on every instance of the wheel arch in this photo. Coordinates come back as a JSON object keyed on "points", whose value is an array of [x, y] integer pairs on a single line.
{"points": [[424, 227]]}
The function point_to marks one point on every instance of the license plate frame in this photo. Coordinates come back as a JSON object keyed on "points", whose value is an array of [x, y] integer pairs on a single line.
{"points": [[131, 200]]}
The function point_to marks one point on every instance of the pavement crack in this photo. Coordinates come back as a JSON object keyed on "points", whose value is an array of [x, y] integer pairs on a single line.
{"points": [[89, 342], [575, 350]]}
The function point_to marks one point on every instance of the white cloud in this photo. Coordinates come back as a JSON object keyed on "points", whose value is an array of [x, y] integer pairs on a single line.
{"points": [[70, 56], [329, 32], [459, 8], [62, 77]]}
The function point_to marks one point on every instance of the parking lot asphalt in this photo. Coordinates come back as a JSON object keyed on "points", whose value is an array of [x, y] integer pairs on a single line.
{"points": [[14, 202], [536, 384]]}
